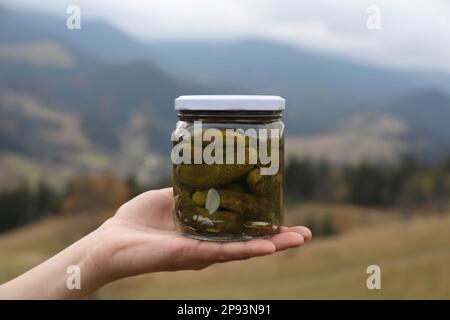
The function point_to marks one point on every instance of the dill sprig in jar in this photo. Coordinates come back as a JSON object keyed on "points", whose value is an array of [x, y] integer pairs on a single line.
{"points": [[228, 163]]}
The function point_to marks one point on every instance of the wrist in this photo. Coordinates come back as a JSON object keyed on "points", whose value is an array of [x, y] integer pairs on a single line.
{"points": [[95, 262], [71, 274], [82, 274]]}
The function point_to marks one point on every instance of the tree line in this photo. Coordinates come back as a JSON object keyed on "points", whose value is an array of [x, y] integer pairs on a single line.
{"points": [[407, 184]]}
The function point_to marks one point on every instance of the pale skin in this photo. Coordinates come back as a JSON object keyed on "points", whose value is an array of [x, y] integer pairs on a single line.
{"points": [[140, 238]]}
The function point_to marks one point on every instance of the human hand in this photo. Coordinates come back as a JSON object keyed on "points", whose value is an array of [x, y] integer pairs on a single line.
{"points": [[141, 238]]}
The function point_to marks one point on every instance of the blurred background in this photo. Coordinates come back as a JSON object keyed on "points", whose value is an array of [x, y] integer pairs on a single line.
{"points": [[86, 116]]}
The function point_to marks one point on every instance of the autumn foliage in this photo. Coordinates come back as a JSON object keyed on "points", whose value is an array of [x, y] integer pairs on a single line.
{"points": [[93, 193]]}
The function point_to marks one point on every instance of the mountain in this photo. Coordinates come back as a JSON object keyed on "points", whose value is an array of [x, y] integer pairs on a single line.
{"points": [[64, 108], [375, 136], [320, 88], [427, 111], [40, 140], [413, 123], [95, 38], [121, 114], [268, 66], [97, 98]]}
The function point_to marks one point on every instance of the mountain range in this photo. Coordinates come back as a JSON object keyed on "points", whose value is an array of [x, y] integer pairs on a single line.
{"points": [[98, 98]]}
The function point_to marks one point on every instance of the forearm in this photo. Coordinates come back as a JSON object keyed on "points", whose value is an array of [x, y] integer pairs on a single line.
{"points": [[53, 280]]}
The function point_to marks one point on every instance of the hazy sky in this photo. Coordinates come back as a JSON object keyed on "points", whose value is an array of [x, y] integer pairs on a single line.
{"points": [[414, 33]]}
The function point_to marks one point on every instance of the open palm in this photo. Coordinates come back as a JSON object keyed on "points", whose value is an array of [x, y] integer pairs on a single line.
{"points": [[141, 238]]}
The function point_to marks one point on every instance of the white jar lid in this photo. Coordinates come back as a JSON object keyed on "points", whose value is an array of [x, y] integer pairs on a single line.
{"points": [[230, 103]]}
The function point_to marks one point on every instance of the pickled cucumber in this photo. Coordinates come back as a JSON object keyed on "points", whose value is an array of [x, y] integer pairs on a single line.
{"points": [[204, 176], [184, 207], [242, 203], [221, 221], [263, 184]]}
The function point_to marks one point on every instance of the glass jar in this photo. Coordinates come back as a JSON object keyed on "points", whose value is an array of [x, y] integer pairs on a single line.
{"points": [[228, 163]]}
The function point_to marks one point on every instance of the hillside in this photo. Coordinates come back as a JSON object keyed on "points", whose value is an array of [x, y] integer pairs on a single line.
{"points": [[413, 255], [67, 109], [321, 88], [97, 98], [364, 135], [69, 112]]}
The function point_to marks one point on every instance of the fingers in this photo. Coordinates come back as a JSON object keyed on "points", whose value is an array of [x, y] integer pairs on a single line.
{"points": [[304, 231], [286, 240], [204, 253], [289, 237], [222, 252]]}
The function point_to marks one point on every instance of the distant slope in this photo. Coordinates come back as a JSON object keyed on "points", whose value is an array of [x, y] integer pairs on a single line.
{"points": [[320, 88], [40, 140], [96, 38], [35, 129], [38, 53], [427, 112], [54, 93], [414, 123], [73, 101], [262, 64], [60, 115], [104, 95], [374, 136]]}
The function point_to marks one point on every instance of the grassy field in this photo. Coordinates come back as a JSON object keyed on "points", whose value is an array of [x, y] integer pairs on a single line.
{"points": [[414, 256]]}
